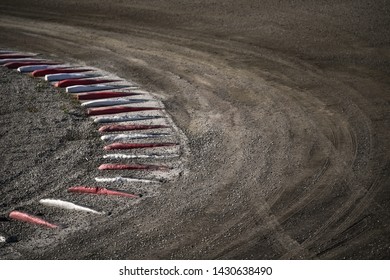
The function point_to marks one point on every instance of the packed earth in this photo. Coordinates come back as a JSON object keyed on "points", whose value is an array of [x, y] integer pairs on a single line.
{"points": [[265, 130]]}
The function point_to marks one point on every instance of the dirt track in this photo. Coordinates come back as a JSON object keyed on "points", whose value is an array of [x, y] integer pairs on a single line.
{"points": [[286, 111]]}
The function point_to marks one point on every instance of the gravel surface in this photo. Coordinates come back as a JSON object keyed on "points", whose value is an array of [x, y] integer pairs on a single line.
{"points": [[283, 108]]}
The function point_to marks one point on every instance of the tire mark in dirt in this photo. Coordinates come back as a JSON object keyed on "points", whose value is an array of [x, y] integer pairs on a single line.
{"points": [[358, 202]]}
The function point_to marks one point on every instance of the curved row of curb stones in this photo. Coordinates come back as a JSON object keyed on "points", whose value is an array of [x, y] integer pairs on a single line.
{"points": [[134, 126]]}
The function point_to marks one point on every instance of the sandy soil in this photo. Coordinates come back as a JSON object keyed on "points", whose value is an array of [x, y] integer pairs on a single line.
{"points": [[286, 111]]}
